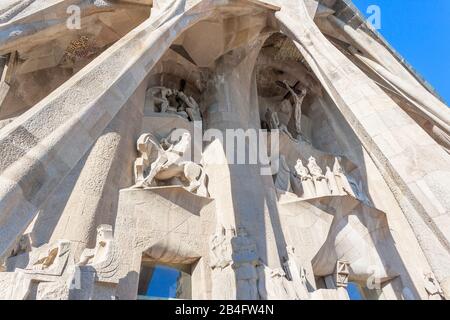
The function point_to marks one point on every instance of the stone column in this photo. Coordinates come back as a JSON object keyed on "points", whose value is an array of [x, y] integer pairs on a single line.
{"points": [[107, 169], [416, 168], [245, 199]]}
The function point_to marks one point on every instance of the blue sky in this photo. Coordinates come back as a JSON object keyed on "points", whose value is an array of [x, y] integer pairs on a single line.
{"points": [[420, 31], [163, 282]]}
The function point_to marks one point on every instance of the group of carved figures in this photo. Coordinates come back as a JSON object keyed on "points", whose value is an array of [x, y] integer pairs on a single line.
{"points": [[309, 181], [287, 111], [234, 258], [57, 272], [162, 163], [173, 101]]}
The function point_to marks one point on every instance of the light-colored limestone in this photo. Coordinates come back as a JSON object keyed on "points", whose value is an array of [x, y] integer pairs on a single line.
{"points": [[348, 183]]}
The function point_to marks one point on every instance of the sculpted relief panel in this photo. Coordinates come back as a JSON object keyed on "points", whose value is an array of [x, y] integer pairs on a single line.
{"points": [[53, 273], [171, 101], [162, 163]]}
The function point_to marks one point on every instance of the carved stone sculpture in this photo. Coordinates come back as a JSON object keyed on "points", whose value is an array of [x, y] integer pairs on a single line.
{"points": [[166, 100], [104, 258], [233, 258], [341, 178], [341, 273], [320, 181], [163, 161], [309, 189], [48, 268], [221, 250], [192, 108], [298, 101], [332, 184], [245, 260], [272, 119], [24, 245], [283, 177], [296, 274], [273, 284]]}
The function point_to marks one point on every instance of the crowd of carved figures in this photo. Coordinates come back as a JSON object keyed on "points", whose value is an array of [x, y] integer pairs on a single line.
{"points": [[161, 162], [234, 253], [172, 101], [310, 181]]}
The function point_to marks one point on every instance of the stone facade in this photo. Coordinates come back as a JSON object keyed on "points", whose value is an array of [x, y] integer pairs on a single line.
{"points": [[272, 149]]}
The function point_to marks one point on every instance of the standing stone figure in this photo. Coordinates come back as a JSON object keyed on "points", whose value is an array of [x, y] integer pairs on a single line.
{"points": [[273, 122], [165, 93], [283, 178], [332, 184], [191, 107], [309, 190], [285, 110], [320, 181], [296, 274], [220, 248], [245, 260], [341, 178], [272, 119], [220, 261]]}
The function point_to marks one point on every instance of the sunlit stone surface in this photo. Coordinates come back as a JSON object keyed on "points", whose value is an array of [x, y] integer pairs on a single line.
{"points": [[206, 149]]}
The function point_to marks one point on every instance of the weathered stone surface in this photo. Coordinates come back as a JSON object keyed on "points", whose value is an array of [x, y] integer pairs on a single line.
{"points": [[230, 140]]}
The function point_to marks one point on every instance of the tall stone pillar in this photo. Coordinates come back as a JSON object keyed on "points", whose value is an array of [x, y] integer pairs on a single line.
{"points": [[107, 169], [245, 199], [415, 167]]}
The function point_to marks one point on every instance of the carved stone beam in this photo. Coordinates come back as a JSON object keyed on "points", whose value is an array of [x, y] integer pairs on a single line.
{"points": [[27, 26]]}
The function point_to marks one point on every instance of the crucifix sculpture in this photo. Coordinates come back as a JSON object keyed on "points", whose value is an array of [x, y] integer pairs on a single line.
{"points": [[298, 96]]}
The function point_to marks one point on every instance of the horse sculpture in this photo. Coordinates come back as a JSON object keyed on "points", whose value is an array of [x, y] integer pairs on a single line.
{"points": [[163, 162]]}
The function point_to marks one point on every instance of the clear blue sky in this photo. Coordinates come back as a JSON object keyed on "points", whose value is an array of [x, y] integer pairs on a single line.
{"points": [[420, 31], [163, 282]]}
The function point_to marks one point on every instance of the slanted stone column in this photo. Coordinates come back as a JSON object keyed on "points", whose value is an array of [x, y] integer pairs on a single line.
{"points": [[428, 104], [4, 87], [379, 54], [415, 167]]}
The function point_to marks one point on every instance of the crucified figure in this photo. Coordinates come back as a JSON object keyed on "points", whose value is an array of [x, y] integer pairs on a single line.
{"points": [[298, 100]]}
